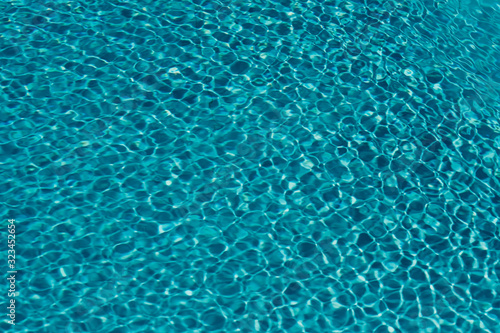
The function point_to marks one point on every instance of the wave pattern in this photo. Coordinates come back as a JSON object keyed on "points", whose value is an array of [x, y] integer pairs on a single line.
{"points": [[253, 166]]}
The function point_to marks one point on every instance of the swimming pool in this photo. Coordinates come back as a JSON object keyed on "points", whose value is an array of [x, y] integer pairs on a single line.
{"points": [[252, 166]]}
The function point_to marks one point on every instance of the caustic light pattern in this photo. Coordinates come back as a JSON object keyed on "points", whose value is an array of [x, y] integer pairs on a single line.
{"points": [[252, 166]]}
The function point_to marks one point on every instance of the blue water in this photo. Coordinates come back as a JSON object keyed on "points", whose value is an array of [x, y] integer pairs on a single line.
{"points": [[251, 166]]}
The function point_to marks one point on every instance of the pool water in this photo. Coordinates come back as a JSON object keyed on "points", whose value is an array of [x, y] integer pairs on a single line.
{"points": [[252, 166]]}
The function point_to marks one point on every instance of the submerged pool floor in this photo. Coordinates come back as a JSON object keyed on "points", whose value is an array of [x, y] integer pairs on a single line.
{"points": [[252, 166]]}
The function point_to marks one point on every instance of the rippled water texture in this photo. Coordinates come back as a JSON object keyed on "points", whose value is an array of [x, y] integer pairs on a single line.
{"points": [[252, 166]]}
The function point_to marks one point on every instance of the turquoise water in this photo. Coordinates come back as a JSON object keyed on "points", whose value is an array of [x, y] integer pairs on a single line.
{"points": [[252, 166]]}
